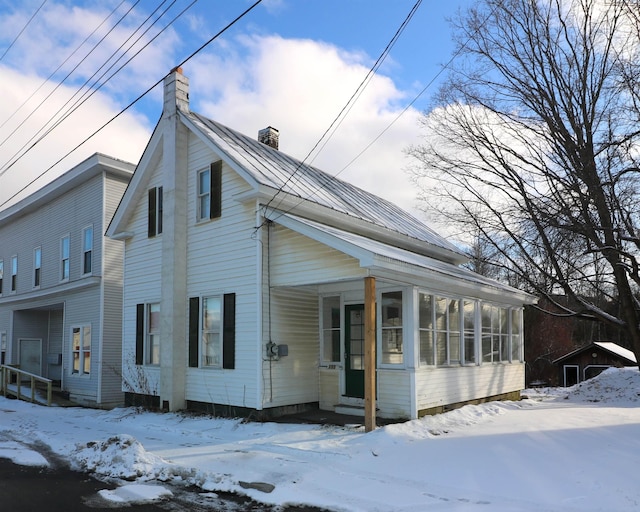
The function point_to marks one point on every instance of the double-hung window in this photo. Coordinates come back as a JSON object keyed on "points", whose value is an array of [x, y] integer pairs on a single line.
{"points": [[3, 347], [392, 342], [81, 349], [87, 250], [14, 273], [212, 331], [64, 258], [37, 266], [155, 212], [331, 330], [209, 193], [148, 334]]}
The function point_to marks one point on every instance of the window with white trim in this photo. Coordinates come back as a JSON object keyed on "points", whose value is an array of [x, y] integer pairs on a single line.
{"points": [[14, 274], [64, 258], [81, 349], [152, 347], [209, 192], [3, 347], [469, 331], [37, 266], [495, 334], [87, 250], [330, 349], [516, 335], [1, 276], [392, 333], [211, 335]]}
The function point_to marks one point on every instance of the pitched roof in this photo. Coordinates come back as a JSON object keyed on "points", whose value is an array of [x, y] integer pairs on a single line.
{"points": [[281, 172], [607, 346]]}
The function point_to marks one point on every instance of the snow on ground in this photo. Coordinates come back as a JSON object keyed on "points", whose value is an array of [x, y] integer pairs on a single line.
{"points": [[569, 449]]}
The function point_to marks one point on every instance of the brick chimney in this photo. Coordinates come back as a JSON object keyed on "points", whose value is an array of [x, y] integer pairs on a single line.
{"points": [[269, 136], [176, 92]]}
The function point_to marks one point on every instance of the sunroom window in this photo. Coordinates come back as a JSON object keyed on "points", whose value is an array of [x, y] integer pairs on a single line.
{"points": [[392, 343]]}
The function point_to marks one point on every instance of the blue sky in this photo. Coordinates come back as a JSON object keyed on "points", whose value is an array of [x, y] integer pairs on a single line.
{"points": [[292, 64]]}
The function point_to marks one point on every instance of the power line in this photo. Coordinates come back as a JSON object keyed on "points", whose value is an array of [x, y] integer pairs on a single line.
{"points": [[60, 67], [347, 107], [23, 29], [79, 103], [187, 59]]}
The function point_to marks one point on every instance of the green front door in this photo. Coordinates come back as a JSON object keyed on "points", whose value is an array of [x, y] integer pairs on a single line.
{"points": [[354, 351]]}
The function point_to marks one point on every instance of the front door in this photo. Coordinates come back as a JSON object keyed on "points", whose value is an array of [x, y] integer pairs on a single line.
{"points": [[31, 356], [354, 351]]}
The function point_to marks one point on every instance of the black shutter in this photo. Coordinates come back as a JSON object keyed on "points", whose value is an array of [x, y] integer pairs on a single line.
{"points": [[151, 231], [159, 214], [139, 333], [229, 331], [194, 318], [216, 190]]}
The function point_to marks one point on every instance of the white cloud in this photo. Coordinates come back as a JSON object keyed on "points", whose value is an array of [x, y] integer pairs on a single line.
{"points": [[249, 82], [299, 87], [124, 139]]}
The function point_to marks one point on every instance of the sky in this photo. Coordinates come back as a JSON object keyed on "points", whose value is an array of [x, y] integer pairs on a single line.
{"points": [[561, 449], [290, 64]]}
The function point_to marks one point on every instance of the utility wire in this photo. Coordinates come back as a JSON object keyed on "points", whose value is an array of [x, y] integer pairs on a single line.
{"points": [[347, 107], [88, 95], [15, 156], [455, 55], [187, 59], [44, 82], [23, 29]]}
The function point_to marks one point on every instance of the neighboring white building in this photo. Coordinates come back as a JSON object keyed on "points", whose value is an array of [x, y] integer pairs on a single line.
{"points": [[244, 286], [61, 282]]}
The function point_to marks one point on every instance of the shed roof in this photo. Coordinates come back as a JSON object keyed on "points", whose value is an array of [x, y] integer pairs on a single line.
{"points": [[607, 346]]}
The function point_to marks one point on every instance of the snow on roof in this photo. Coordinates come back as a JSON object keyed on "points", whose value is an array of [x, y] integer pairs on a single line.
{"points": [[278, 170], [616, 349]]}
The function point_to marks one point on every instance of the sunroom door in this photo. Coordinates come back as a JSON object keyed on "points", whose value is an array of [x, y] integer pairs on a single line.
{"points": [[354, 351]]}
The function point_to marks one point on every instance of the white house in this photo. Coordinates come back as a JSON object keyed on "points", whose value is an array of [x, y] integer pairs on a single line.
{"points": [[244, 286], [61, 282]]}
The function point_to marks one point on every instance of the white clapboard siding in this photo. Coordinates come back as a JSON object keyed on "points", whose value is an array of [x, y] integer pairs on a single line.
{"points": [[298, 260], [393, 393], [329, 379], [440, 386], [293, 379]]}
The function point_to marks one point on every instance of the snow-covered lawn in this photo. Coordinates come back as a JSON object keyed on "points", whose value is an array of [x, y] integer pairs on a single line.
{"points": [[574, 449]]}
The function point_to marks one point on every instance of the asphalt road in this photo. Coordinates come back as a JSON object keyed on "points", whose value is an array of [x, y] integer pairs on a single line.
{"points": [[33, 489]]}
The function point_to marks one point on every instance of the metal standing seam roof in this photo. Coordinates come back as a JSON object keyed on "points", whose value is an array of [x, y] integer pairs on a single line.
{"points": [[278, 170]]}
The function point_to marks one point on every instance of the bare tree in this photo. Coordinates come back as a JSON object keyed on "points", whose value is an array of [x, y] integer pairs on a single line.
{"points": [[534, 144]]}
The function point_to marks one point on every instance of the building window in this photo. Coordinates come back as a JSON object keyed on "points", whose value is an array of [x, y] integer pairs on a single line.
{"points": [[3, 347], [87, 250], [1, 275], [210, 192], [330, 329], [516, 335], [64, 258], [392, 343], [153, 334], [495, 334], [425, 325], [81, 349], [469, 326], [14, 273], [155, 212], [37, 266], [212, 331]]}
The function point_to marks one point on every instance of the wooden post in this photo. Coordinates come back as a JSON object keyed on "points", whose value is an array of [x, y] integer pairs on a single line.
{"points": [[369, 354]]}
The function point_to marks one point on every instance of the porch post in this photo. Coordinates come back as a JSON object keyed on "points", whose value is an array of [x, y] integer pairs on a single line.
{"points": [[369, 354]]}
